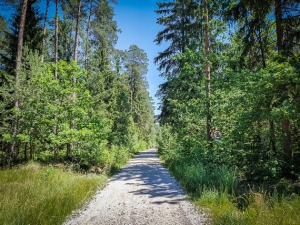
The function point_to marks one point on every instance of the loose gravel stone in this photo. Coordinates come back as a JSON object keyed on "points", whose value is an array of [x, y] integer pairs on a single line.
{"points": [[143, 192]]}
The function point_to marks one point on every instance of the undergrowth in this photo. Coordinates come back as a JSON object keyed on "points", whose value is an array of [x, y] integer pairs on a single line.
{"points": [[223, 191], [217, 190]]}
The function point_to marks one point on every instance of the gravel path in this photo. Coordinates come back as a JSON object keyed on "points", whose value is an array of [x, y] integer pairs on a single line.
{"points": [[143, 192]]}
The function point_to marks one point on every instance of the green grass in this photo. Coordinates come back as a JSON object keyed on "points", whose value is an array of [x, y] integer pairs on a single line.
{"points": [[30, 195], [262, 209], [215, 189]]}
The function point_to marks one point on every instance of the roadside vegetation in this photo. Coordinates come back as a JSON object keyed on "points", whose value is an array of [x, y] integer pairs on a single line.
{"points": [[70, 104], [232, 68], [46, 194], [87, 107], [224, 192], [33, 194]]}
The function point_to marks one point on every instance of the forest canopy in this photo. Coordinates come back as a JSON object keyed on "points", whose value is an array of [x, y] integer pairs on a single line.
{"points": [[66, 93], [231, 66]]}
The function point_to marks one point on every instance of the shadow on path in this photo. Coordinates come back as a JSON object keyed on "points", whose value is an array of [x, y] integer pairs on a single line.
{"points": [[151, 178]]}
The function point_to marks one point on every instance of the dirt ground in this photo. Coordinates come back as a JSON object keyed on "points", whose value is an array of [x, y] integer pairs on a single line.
{"points": [[143, 192]]}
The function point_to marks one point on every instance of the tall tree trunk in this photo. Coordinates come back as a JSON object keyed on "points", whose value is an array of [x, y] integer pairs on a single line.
{"points": [[279, 29], [207, 71], [56, 37], [77, 31], [76, 43], [45, 28], [55, 151], [18, 66], [25, 151], [287, 138], [183, 24], [131, 95], [86, 60], [70, 145], [285, 124], [272, 136], [31, 150]]}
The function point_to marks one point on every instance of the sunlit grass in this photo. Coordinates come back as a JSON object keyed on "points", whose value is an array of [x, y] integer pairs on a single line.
{"points": [[261, 210], [215, 189], [30, 195], [196, 178]]}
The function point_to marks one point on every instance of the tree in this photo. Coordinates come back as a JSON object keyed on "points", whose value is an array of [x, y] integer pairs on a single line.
{"points": [[181, 26], [45, 28], [56, 37], [6, 86], [207, 72], [257, 29], [3, 43], [99, 124], [136, 62]]}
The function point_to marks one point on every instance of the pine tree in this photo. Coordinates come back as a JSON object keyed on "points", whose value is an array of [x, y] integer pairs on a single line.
{"points": [[181, 26], [26, 17]]}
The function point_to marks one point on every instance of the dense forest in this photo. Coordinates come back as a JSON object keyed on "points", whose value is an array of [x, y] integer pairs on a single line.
{"points": [[232, 68], [229, 127], [66, 93]]}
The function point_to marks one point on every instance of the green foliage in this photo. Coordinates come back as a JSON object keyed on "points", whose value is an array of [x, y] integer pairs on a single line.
{"points": [[196, 171], [83, 115], [181, 26], [51, 120], [218, 188], [261, 209], [253, 101]]}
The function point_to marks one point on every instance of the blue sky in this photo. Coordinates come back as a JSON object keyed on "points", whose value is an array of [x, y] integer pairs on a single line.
{"points": [[137, 20]]}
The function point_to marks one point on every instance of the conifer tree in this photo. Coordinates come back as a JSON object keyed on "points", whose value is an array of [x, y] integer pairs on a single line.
{"points": [[181, 26]]}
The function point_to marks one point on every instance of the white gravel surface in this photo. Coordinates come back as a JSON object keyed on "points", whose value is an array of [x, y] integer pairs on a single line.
{"points": [[143, 192]]}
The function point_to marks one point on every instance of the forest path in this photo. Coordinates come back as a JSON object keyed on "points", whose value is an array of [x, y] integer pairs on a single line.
{"points": [[143, 192]]}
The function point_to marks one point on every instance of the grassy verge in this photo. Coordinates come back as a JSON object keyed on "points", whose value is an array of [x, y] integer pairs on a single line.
{"points": [[30, 195], [33, 194], [261, 209], [216, 189]]}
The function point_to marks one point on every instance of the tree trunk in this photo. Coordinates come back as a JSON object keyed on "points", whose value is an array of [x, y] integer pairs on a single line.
{"points": [[272, 136], [70, 145], [25, 151], [285, 124], [207, 71], [45, 28], [55, 72], [88, 39], [31, 153], [77, 31], [18, 66], [279, 30], [287, 138], [31, 150], [131, 92], [56, 37]]}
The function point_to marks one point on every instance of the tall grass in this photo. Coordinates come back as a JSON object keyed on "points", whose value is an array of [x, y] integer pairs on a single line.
{"points": [[261, 209], [196, 178], [30, 195], [35, 195], [217, 188]]}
